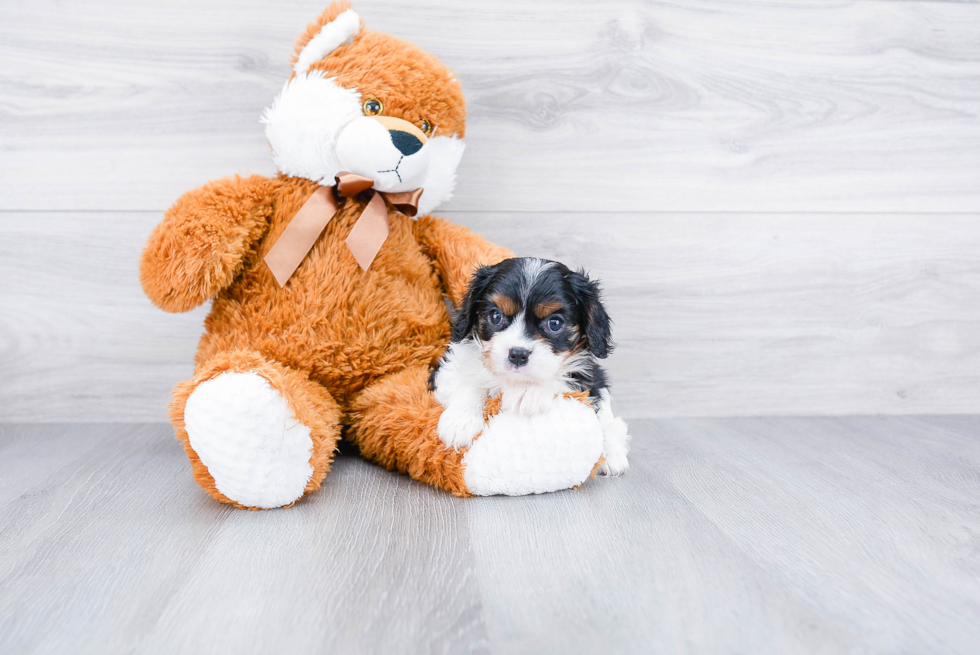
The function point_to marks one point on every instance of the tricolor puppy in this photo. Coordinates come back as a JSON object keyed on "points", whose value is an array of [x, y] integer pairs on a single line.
{"points": [[531, 330]]}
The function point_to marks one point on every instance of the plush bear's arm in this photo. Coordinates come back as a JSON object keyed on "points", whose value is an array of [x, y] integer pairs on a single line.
{"points": [[456, 252], [198, 248]]}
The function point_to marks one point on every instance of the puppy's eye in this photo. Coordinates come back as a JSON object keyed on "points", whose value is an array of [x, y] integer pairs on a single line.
{"points": [[372, 107], [496, 317], [426, 127], [555, 324]]}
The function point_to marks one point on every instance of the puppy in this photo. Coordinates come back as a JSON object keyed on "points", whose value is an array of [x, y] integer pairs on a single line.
{"points": [[531, 330]]}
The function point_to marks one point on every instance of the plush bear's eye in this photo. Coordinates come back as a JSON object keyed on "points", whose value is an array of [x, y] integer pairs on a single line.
{"points": [[372, 107], [426, 127]]}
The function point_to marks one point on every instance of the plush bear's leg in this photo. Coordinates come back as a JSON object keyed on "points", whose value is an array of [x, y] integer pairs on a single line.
{"points": [[258, 434], [393, 423]]}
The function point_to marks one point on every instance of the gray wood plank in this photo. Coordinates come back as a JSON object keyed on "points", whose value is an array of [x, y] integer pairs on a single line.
{"points": [[747, 535], [109, 546], [771, 535], [627, 106], [639, 569], [858, 520], [715, 314]]}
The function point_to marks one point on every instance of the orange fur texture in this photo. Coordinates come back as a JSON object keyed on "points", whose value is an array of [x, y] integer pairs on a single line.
{"points": [[344, 347], [394, 424]]}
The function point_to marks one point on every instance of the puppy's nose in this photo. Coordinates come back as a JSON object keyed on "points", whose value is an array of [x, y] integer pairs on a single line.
{"points": [[518, 356], [407, 144]]}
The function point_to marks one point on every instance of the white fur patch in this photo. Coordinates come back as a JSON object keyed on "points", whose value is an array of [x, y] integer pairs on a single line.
{"points": [[519, 455], [365, 147], [531, 268], [444, 155], [303, 125], [461, 387], [249, 440], [337, 32], [615, 438]]}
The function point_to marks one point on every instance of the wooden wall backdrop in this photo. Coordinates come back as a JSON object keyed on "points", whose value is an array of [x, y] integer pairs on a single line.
{"points": [[782, 197]]}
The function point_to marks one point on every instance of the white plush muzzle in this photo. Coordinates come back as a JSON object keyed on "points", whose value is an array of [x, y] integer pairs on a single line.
{"points": [[366, 147]]}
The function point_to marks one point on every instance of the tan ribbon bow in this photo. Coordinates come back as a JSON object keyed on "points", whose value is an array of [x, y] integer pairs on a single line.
{"points": [[364, 240]]}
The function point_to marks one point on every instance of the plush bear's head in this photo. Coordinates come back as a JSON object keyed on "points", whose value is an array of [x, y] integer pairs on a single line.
{"points": [[370, 104]]}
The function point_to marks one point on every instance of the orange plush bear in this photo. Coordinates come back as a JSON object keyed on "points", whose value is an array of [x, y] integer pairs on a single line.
{"points": [[328, 307]]}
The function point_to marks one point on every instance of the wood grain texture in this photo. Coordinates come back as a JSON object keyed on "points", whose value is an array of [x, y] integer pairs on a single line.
{"points": [[624, 105], [714, 314], [726, 536], [132, 556], [747, 536], [625, 136]]}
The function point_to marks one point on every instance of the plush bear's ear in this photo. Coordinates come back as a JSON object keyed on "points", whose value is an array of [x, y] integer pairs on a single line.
{"points": [[337, 25], [465, 319]]}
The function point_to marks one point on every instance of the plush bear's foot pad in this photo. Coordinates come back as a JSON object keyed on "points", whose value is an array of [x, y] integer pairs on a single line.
{"points": [[517, 455], [248, 438]]}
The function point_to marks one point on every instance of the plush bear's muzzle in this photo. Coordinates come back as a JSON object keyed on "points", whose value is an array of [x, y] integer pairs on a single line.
{"points": [[391, 151]]}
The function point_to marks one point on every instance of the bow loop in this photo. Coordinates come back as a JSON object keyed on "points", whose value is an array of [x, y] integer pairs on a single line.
{"points": [[349, 185], [407, 202]]}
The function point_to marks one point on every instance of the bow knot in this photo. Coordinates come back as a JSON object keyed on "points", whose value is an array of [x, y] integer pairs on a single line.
{"points": [[365, 239]]}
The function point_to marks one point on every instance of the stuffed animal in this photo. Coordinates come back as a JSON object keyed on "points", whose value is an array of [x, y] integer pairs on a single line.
{"points": [[327, 295]]}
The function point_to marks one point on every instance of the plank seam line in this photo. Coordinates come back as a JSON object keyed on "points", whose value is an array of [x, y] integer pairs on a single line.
{"points": [[686, 212]]}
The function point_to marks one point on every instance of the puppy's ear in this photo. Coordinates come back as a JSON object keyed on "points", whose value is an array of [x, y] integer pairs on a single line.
{"points": [[593, 318], [465, 319]]}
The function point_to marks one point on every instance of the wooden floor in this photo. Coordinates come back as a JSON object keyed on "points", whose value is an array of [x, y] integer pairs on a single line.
{"points": [[727, 535]]}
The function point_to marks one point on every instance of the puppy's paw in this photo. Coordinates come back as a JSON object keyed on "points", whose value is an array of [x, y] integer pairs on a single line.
{"points": [[614, 465], [459, 426], [616, 444], [528, 402]]}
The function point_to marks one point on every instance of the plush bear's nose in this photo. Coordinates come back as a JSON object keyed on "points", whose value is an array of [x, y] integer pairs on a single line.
{"points": [[407, 144], [518, 356]]}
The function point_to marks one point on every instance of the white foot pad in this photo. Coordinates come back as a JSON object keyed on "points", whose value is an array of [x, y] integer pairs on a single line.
{"points": [[519, 455], [247, 437]]}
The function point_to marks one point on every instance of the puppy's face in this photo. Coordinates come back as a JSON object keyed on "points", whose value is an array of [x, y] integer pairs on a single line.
{"points": [[534, 319]]}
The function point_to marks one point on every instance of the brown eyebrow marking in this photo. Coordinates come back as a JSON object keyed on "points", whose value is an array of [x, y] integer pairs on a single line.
{"points": [[545, 309], [506, 304]]}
